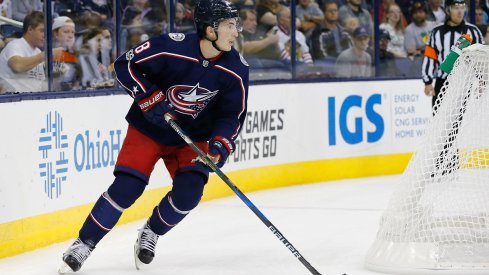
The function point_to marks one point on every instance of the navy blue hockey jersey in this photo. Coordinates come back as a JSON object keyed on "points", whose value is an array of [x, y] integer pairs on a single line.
{"points": [[209, 95]]}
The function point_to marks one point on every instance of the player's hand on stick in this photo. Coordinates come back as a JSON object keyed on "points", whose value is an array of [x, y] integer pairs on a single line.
{"points": [[219, 150], [155, 107], [429, 90]]}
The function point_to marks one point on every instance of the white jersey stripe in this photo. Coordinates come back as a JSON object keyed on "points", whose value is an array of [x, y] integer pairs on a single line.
{"points": [[141, 85], [167, 54]]}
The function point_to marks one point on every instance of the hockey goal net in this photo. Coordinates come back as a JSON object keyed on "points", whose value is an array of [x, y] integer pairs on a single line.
{"points": [[437, 220]]}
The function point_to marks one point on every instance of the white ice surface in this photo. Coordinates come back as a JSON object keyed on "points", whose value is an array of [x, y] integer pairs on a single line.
{"points": [[332, 224]]}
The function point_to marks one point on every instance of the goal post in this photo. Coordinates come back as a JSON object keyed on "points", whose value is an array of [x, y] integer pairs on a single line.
{"points": [[437, 220]]}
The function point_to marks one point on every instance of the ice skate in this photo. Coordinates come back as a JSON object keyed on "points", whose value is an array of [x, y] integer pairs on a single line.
{"points": [[75, 256], [144, 248]]}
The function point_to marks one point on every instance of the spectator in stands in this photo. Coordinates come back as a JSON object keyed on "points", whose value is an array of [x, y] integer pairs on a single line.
{"points": [[353, 8], [188, 4], [329, 39], [106, 49], [283, 29], [21, 8], [10, 32], [418, 30], [134, 23], [394, 26], [2, 42], [135, 17], [310, 16], [350, 24], [144, 18], [355, 61], [103, 8], [387, 66], [140, 14], [88, 20], [259, 50], [189, 7], [486, 35], [64, 32], [484, 30], [182, 23], [94, 73], [406, 10], [266, 12], [480, 16], [384, 5], [66, 69], [68, 8], [436, 12], [484, 6], [139, 4], [135, 37], [151, 16], [21, 61], [151, 12], [244, 4], [6, 8]]}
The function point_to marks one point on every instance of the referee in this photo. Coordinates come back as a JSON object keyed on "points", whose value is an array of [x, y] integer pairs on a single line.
{"points": [[441, 40]]}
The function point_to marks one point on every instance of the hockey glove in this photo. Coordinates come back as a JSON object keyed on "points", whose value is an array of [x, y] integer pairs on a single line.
{"points": [[155, 107], [219, 150]]}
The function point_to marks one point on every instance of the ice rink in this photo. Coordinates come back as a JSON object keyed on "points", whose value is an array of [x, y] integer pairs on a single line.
{"points": [[332, 224]]}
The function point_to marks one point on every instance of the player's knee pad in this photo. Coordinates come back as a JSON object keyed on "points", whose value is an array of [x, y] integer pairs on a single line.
{"points": [[126, 189], [199, 168], [187, 190]]}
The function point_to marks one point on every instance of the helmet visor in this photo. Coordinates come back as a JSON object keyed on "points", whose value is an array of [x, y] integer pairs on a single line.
{"points": [[230, 25]]}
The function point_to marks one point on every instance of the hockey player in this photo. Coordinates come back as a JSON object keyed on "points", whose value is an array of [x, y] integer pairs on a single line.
{"points": [[438, 46], [202, 82]]}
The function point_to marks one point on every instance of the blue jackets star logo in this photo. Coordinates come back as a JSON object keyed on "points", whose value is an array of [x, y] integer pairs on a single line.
{"points": [[190, 100]]}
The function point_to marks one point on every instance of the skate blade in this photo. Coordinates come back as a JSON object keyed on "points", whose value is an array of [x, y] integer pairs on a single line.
{"points": [[64, 269], [137, 262]]}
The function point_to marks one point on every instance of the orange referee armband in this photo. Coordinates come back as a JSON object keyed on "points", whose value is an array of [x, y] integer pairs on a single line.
{"points": [[430, 53]]}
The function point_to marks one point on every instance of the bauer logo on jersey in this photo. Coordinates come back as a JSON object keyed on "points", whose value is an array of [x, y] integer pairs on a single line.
{"points": [[190, 100], [177, 36]]}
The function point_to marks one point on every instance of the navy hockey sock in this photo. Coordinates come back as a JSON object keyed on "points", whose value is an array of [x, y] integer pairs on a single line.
{"points": [[186, 193], [101, 220], [109, 207]]}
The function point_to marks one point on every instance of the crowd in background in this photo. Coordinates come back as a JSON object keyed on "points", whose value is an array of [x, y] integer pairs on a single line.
{"points": [[334, 38]]}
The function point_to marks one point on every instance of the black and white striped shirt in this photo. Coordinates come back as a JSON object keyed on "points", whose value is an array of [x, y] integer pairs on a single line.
{"points": [[438, 46]]}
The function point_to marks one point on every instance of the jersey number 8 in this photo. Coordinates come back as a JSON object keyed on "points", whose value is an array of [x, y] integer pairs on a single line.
{"points": [[142, 47]]}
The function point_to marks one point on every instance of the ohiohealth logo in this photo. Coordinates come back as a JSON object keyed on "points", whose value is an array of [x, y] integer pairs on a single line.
{"points": [[53, 145]]}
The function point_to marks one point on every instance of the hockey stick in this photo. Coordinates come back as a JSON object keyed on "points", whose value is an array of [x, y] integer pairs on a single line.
{"points": [[207, 161]]}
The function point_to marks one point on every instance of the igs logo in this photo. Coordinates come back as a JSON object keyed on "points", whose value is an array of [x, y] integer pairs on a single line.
{"points": [[53, 145], [364, 109]]}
